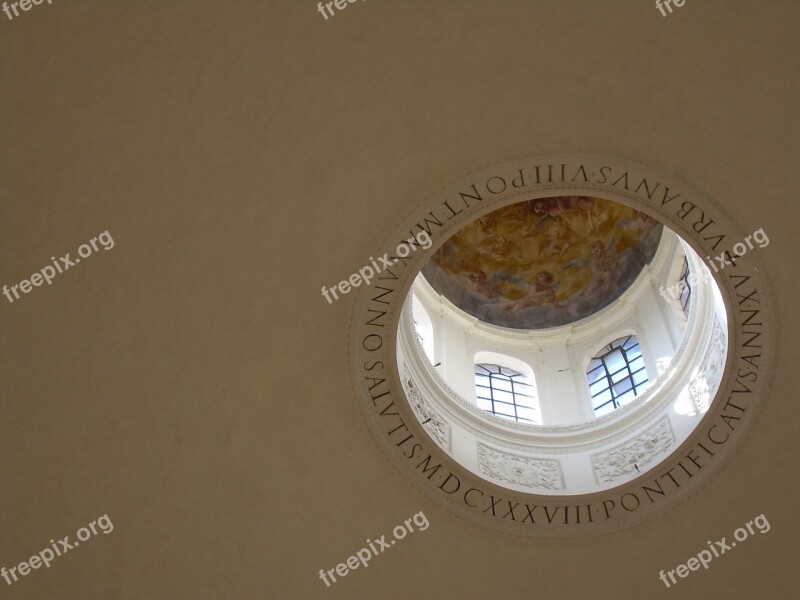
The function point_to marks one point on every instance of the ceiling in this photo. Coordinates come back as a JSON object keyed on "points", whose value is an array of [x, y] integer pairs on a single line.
{"points": [[546, 262], [193, 384]]}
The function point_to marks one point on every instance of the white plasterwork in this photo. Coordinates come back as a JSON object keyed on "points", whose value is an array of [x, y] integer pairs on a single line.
{"points": [[632, 456], [527, 471]]}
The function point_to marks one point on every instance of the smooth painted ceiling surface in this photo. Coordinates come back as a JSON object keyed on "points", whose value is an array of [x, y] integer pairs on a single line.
{"points": [[192, 383]]}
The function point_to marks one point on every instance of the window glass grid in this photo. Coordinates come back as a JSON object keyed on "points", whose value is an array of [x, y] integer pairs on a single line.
{"points": [[504, 392], [616, 375]]}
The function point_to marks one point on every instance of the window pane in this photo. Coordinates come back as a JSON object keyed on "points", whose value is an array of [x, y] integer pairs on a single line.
{"points": [[615, 361], [620, 375], [505, 392], [622, 387], [602, 397], [503, 396], [504, 409], [523, 394], [620, 361], [501, 383], [484, 404], [598, 387], [521, 386], [637, 363]]}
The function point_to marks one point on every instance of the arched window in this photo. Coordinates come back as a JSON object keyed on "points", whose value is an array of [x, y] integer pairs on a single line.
{"points": [[616, 375], [506, 393], [686, 287]]}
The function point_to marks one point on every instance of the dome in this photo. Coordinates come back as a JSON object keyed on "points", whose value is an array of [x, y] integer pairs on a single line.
{"points": [[564, 345], [546, 262]]}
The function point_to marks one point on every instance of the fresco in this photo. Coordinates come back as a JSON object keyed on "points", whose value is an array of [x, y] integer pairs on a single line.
{"points": [[544, 263]]}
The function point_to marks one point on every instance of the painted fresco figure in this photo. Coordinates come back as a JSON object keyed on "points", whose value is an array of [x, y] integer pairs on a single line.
{"points": [[602, 265], [540, 292], [480, 284]]}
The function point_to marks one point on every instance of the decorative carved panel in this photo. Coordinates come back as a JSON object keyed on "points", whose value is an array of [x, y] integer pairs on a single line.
{"points": [[519, 469], [633, 455], [710, 372], [431, 420]]}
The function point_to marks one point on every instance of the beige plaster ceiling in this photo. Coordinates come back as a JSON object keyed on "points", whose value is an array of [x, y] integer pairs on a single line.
{"points": [[193, 384]]}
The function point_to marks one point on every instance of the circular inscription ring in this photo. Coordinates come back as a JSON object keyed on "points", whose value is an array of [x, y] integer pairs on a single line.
{"points": [[752, 339]]}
